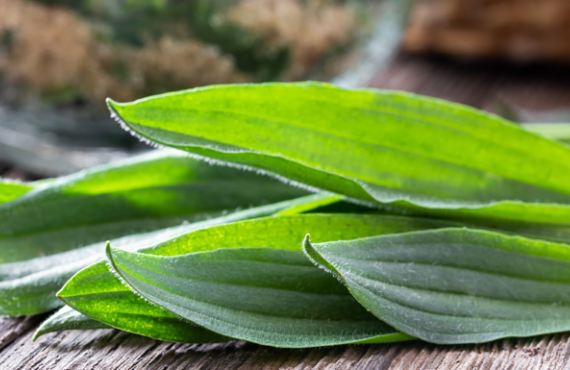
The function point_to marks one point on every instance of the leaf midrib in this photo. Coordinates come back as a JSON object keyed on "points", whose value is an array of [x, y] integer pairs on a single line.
{"points": [[255, 313], [446, 316], [432, 121], [557, 304], [487, 272], [240, 285]]}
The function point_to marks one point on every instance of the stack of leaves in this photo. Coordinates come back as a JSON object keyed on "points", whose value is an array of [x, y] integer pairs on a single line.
{"points": [[429, 220]]}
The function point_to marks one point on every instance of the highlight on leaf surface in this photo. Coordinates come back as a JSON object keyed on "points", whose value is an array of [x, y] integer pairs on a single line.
{"points": [[97, 293], [455, 285], [420, 154], [10, 190]]}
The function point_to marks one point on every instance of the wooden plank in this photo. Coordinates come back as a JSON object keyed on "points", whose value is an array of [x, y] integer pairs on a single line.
{"points": [[112, 349]]}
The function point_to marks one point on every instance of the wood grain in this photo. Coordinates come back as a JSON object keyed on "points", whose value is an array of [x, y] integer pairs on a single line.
{"points": [[112, 349]]}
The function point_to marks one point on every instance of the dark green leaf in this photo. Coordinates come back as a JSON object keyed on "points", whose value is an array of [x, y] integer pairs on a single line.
{"points": [[456, 285], [421, 154], [41, 231], [97, 293], [267, 296]]}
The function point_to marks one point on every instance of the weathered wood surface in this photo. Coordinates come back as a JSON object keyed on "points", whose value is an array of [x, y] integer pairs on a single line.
{"points": [[476, 85], [112, 349]]}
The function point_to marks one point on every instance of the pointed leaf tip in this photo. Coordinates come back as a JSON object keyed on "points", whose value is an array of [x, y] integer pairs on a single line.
{"points": [[110, 101], [112, 106], [317, 258], [109, 254]]}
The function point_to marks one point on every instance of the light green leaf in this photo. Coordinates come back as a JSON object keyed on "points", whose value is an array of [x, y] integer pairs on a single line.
{"points": [[107, 301], [405, 151], [97, 293], [59, 227], [455, 285], [104, 298], [10, 190]]}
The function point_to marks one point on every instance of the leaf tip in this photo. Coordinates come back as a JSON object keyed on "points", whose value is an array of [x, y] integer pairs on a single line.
{"points": [[113, 107], [111, 103], [37, 334], [108, 250], [318, 259], [308, 247], [60, 294]]}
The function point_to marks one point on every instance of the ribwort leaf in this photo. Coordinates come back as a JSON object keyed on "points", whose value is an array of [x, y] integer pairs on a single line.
{"points": [[454, 286], [403, 151]]}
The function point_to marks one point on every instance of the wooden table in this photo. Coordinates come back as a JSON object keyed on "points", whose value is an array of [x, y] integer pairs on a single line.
{"points": [[476, 85], [112, 349]]}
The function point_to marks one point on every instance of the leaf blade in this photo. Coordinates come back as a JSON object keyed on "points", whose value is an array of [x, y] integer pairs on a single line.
{"points": [[454, 286], [288, 311], [399, 149]]}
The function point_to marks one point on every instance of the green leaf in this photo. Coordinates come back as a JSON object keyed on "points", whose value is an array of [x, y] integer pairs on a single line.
{"points": [[421, 154], [106, 300], [319, 203], [59, 227], [103, 297], [267, 296], [67, 319], [10, 190], [97, 293], [147, 193], [455, 285]]}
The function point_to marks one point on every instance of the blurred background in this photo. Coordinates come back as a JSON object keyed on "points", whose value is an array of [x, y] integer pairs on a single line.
{"points": [[59, 60]]}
